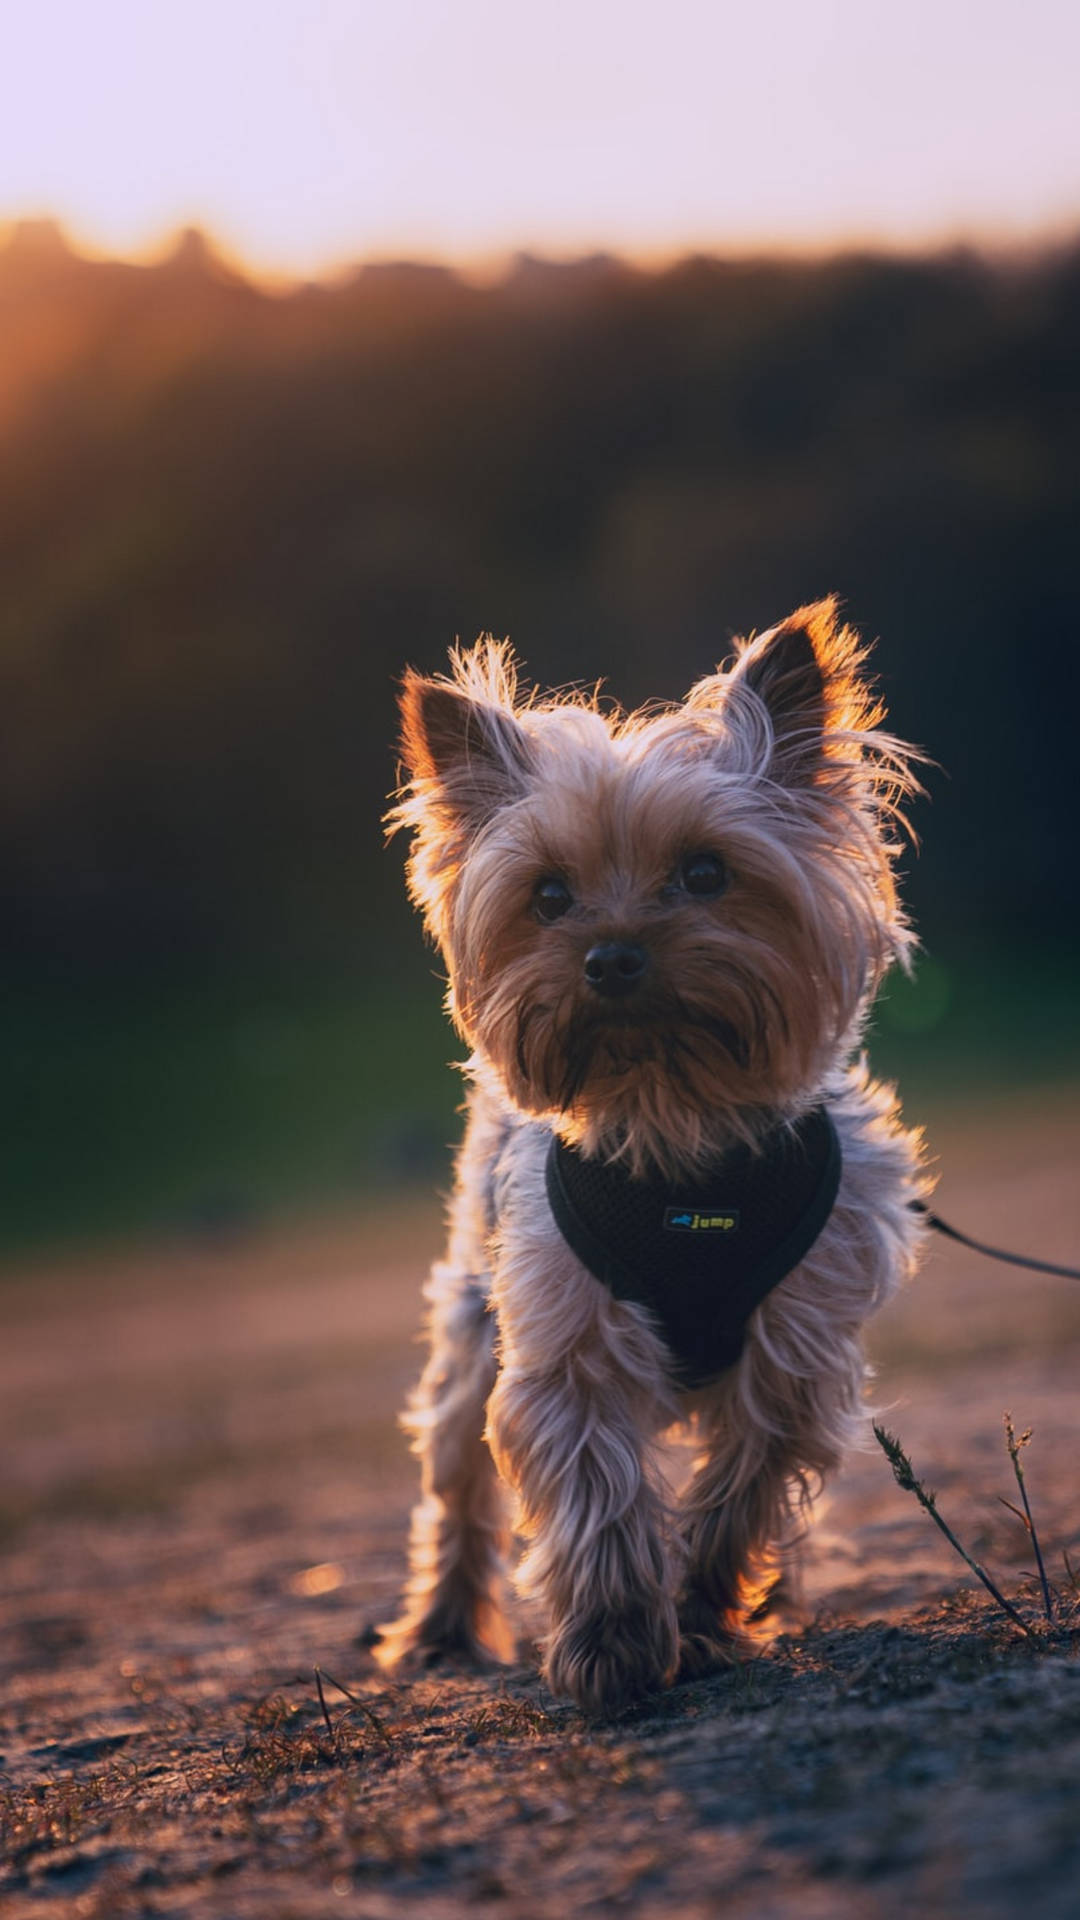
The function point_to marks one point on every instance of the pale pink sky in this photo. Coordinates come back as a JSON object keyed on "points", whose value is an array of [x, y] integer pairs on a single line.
{"points": [[307, 132]]}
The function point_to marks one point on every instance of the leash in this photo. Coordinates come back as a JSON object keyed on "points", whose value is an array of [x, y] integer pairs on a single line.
{"points": [[992, 1253]]}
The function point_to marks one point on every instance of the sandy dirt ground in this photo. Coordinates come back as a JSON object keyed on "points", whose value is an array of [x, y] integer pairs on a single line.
{"points": [[205, 1497]]}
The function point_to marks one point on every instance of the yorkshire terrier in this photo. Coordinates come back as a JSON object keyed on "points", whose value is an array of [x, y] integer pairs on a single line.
{"points": [[679, 1194]]}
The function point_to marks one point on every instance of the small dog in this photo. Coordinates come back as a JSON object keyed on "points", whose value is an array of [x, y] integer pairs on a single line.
{"points": [[679, 1194]]}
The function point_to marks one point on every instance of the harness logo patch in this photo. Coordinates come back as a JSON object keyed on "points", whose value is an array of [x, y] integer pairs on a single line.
{"points": [[688, 1220]]}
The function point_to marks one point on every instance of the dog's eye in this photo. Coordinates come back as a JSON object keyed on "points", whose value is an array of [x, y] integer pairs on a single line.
{"points": [[703, 874], [552, 899]]}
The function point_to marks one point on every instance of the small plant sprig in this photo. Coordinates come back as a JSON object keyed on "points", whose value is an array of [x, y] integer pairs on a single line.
{"points": [[1014, 1444], [904, 1474], [356, 1699]]}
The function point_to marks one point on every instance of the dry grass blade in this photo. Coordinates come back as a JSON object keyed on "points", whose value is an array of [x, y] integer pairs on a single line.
{"points": [[357, 1700], [325, 1709], [905, 1477], [1014, 1445]]}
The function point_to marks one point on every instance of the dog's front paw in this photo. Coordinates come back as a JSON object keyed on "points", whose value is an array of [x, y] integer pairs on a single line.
{"points": [[710, 1638], [703, 1653], [414, 1646], [609, 1661]]}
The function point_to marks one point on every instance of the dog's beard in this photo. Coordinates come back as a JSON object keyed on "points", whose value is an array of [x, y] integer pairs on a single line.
{"points": [[673, 1073], [560, 1060]]}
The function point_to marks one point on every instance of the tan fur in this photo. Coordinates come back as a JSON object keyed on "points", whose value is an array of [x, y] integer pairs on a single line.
{"points": [[750, 1014]]}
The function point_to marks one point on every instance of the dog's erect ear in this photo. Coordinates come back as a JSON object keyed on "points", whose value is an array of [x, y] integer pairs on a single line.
{"points": [[467, 751], [784, 669], [805, 672]]}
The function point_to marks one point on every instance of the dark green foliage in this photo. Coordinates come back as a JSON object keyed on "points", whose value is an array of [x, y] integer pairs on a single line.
{"points": [[227, 520]]}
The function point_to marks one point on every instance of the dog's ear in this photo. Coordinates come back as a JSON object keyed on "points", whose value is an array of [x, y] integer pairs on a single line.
{"points": [[461, 745], [786, 669], [805, 673]]}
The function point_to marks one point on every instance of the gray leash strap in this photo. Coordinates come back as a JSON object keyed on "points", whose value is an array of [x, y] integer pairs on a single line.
{"points": [[993, 1253]]}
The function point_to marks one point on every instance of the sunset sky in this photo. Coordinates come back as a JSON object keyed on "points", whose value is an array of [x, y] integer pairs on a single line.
{"points": [[308, 132]]}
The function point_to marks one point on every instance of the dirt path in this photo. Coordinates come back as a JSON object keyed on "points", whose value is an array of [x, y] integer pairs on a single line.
{"points": [[204, 1497]]}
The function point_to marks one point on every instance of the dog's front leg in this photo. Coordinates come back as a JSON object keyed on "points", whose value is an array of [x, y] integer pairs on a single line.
{"points": [[735, 1512], [569, 1423], [771, 1436], [458, 1528]]}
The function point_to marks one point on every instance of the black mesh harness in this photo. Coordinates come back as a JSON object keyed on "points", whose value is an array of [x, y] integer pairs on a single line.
{"points": [[701, 1258]]}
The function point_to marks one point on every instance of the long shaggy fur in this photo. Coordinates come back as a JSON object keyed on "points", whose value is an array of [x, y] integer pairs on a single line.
{"points": [[749, 1013]]}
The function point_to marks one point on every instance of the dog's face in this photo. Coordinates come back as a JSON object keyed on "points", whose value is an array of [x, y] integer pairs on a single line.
{"points": [[658, 926]]}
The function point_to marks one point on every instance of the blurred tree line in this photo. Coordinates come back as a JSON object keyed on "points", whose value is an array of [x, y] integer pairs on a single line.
{"points": [[229, 517]]}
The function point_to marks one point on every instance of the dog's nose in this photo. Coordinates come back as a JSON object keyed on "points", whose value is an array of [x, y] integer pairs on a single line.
{"points": [[616, 967]]}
